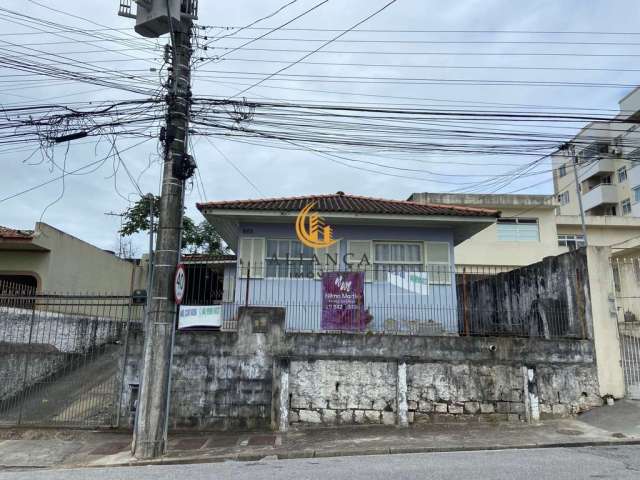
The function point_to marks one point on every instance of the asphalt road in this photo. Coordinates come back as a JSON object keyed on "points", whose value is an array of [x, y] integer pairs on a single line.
{"points": [[621, 462]]}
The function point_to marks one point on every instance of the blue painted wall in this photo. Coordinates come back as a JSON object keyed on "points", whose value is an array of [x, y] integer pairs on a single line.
{"points": [[392, 307]]}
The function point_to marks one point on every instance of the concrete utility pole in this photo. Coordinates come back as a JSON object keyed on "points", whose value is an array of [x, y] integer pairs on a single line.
{"points": [[574, 160], [153, 19]]}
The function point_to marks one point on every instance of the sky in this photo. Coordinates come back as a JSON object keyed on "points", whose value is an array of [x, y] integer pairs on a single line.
{"points": [[229, 169]]}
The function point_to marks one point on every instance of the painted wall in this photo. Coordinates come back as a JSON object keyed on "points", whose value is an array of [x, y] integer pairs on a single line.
{"points": [[70, 266], [484, 248], [391, 307]]}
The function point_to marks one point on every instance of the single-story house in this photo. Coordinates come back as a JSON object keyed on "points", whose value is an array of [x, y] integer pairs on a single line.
{"points": [[46, 259], [401, 252]]}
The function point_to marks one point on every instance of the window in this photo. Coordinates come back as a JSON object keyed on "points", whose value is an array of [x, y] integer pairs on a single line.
{"points": [[572, 242], [438, 263], [562, 171], [563, 198], [396, 257], [288, 259], [518, 230], [251, 257], [626, 206], [622, 174], [606, 180], [636, 194], [611, 211], [636, 268]]}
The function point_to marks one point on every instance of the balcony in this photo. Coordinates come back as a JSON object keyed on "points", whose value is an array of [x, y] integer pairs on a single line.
{"points": [[600, 195], [602, 166]]}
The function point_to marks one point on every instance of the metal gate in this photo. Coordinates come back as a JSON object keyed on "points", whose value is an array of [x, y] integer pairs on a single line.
{"points": [[62, 357], [626, 279]]}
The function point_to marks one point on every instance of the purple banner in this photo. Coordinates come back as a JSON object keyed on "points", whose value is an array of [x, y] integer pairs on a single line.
{"points": [[343, 301]]}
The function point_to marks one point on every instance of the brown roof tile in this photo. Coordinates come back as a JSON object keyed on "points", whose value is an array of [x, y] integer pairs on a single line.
{"points": [[12, 234], [342, 203]]}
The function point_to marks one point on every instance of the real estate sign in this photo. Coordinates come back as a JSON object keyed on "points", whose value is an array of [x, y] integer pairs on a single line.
{"points": [[200, 316], [343, 301]]}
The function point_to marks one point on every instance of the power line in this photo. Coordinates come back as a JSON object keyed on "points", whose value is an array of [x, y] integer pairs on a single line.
{"points": [[344, 32]]}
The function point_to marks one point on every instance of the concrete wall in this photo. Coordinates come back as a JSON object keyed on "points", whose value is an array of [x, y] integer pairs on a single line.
{"points": [[549, 298], [605, 328], [255, 378]]}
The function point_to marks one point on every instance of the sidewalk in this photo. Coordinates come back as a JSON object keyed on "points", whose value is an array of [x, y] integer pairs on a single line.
{"points": [[68, 448]]}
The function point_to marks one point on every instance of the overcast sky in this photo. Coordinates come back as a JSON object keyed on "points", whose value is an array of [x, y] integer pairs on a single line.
{"points": [[81, 210]]}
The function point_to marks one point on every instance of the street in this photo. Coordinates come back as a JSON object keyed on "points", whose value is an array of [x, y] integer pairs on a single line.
{"points": [[619, 462]]}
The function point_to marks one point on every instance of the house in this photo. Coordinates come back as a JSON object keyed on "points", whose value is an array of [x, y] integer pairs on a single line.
{"points": [[49, 260], [403, 253], [525, 233], [530, 229]]}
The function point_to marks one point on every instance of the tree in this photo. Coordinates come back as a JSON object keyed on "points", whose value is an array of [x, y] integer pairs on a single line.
{"points": [[196, 238]]}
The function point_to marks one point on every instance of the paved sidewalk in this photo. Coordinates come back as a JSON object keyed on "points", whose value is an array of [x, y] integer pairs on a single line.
{"points": [[66, 448]]}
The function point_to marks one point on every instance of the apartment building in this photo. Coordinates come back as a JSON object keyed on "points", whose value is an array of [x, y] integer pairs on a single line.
{"points": [[607, 157]]}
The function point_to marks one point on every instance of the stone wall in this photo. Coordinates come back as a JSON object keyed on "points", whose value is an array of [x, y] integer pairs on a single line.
{"points": [[440, 383]]}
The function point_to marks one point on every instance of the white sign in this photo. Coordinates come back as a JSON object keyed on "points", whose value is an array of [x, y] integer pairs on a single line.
{"points": [[415, 282], [200, 316], [179, 284]]}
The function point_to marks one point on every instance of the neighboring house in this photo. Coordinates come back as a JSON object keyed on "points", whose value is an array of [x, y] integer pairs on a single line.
{"points": [[524, 234], [404, 248], [50, 260], [608, 169], [529, 230]]}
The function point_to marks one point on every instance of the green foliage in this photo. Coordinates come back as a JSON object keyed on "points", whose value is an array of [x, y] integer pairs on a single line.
{"points": [[196, 238]]}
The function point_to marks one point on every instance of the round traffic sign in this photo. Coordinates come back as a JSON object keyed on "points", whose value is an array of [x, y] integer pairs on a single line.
{"points": [[180, 283]]}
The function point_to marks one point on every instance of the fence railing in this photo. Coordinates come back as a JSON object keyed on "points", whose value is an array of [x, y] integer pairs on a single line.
{"points": [[61, 357], [396, 298]]}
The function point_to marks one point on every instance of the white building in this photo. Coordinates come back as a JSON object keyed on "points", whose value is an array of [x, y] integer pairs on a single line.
{"points": [[608, 166]]}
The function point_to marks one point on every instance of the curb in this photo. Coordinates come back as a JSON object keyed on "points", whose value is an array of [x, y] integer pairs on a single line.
{"points": [[301, 454]]}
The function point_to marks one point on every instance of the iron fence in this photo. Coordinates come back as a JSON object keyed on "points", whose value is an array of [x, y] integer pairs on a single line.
{"points": [[61, 357], [625, 270], [399, 298]]}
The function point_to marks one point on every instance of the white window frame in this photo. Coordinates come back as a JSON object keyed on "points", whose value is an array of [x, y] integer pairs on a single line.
{"points": [[562, 170], [636, 194], [625, 207], [448, 274], [622, 174], [375, 263], [576, 240], [251, 256], [518, 221], [291, 259], [564, 198]]}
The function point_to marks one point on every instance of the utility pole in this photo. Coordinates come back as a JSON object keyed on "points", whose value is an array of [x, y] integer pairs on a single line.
{"points": [[574, 161], [154, 18]]}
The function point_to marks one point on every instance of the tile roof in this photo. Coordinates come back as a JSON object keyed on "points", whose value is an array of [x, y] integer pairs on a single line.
{"points": [[12, 234], [342, 203]]}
